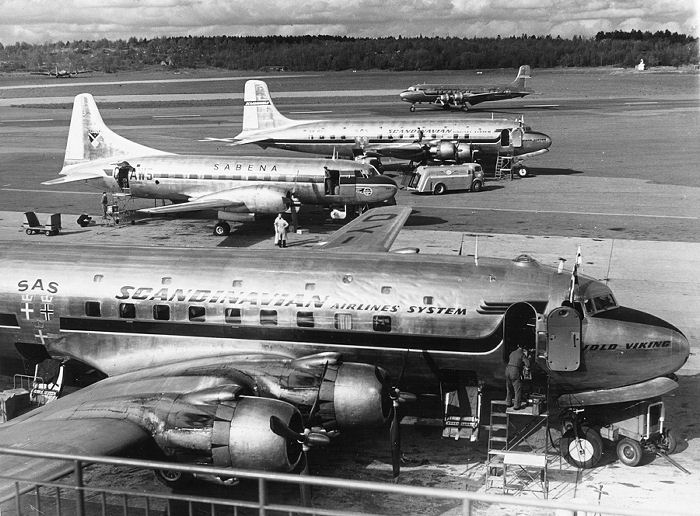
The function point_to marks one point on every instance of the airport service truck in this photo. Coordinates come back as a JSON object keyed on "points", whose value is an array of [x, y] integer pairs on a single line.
{"points": [[439, 179]]}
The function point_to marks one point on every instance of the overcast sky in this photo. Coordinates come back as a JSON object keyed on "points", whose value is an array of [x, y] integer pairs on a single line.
{"points": [[37, 21]]}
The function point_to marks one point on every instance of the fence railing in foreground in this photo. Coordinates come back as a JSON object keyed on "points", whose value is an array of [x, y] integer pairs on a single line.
{"points": [[68, 495]]}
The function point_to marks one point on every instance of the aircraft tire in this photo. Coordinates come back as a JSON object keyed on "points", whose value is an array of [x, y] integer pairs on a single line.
{"points": [[477, 186], [222, 229], [29, 231], [47, 232], [629, 451], [584, 451], [522, 172], [412, 109], [173, 479], [439, 189]]}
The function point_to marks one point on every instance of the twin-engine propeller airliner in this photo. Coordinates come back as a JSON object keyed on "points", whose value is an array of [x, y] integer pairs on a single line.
{"points": [[443, 140], [225, 356], [231, 185], [462, 96]]}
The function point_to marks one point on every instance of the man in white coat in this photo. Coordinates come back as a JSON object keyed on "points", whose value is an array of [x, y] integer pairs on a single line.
{"points": [[281, 231]]}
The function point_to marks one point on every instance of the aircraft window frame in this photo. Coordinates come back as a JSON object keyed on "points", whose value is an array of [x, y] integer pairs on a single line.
{"points": [[233, 315], [310, 287], [268, 317], [604, 302], [97, 278], [305, 320], [93, 309], [381, 323], [428, 300], [386, 289], [196, 313], [127, 310], [161, 312], [342, 321]]}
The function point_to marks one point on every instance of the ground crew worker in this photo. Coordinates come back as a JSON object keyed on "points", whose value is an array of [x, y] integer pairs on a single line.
{"points": [[516, 361], [281, 231], [105, 202]]}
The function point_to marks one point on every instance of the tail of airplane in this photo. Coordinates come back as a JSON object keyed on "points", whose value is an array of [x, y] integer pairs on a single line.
{"points": [[258, 110], [520, 81], [89, 138]]}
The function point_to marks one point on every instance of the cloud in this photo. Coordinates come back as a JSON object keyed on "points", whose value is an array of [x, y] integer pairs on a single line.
{"points": [[37, 21]]}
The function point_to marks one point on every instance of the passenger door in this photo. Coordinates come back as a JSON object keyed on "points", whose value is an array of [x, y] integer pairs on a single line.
{"points": [[563, 339]]}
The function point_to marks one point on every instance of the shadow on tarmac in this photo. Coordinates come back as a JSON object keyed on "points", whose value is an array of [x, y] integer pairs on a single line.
{"points": [[553, 172]]}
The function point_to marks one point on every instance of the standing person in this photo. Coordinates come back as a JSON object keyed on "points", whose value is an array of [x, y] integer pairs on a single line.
{"points": [[516, 361], [281, 231], [105, 202]]}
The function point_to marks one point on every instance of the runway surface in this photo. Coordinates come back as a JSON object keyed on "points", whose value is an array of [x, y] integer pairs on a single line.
{"points": [[622, 180]]}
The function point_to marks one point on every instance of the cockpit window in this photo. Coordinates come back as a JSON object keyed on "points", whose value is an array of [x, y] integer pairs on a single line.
{"points": [[600, 303]]}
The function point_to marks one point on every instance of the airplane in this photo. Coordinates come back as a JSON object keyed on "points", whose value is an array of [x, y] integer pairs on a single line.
{"points": [[62, 73], [448, 140], [248, 356], [235, 186], [464, 97]]}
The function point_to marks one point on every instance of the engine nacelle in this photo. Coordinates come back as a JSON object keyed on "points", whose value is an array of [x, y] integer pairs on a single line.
{"points": [[253, 199], [356, 395], [445, 151], [236, 435]]}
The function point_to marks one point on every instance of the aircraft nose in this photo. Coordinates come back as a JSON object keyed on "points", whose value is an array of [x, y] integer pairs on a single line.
{"points": [[406, 95], [376, 188], [537, 141]]}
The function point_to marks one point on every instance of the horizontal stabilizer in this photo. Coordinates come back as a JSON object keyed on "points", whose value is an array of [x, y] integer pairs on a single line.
{"points": [[73, 177], [639, 391]]}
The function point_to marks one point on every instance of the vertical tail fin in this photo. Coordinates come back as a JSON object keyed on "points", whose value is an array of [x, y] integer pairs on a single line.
{"points": [[520, 81], [89, 138], [258, 110]]}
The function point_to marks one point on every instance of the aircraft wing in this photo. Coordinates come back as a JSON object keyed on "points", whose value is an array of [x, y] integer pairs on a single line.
{"points": [[252, 199], [373, 231], [77, 436]]}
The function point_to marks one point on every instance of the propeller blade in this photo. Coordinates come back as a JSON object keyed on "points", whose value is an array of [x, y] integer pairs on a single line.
{"points": [[395, 436], [280, 428], [305, 489]]}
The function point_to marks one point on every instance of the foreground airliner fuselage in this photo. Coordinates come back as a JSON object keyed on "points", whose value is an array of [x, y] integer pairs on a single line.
{"points": [[228, 184], [464, 96], [224, 356], [448, 140]]}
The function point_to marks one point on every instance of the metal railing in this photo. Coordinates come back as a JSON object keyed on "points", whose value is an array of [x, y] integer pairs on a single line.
{"points": [[69, 498]]}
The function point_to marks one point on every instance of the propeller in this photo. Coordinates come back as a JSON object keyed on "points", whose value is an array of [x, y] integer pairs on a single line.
{"points": [[397, 397]]}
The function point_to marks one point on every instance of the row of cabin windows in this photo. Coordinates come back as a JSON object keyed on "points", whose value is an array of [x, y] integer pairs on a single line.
{"points": [[400, 136], [195, 313]]}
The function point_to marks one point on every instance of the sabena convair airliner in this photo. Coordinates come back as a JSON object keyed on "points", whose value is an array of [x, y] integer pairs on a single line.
{"points": [[450, 140], [231, 185], [227, 363], [462, 96]]}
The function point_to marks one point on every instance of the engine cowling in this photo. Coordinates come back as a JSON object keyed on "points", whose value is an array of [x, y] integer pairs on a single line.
{"points": [[445, 151], [234, 435], [355, 395]]}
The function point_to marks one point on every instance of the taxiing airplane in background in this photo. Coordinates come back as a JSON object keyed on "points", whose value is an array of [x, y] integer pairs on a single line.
{"points": [[225, 356], [421, 140], [231, 185], [62, 73], [462, 96]]}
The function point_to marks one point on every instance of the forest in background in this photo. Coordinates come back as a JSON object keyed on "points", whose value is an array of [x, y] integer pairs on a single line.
{"points": [[329, 53]]}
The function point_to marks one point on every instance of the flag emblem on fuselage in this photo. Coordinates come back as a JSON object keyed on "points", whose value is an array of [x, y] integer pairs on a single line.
{"points": [[94, 137]]}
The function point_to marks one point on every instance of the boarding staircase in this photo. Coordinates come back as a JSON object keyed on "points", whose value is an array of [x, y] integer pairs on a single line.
{"points": [[517, 449], [123, 207], [504, 166]]}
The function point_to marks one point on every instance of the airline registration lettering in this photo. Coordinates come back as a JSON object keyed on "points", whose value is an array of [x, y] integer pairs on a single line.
{"points": [[39, 284]]}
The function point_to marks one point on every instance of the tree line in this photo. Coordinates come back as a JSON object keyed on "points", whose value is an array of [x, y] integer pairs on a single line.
{"points": [[326, 53]]}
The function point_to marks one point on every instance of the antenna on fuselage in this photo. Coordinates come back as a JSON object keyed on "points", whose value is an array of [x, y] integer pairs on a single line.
{"points": [[574, 275]]}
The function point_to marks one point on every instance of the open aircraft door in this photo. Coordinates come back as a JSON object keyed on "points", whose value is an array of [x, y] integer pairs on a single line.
{"points": [[347, 185], [563, 339], [516, 137]]}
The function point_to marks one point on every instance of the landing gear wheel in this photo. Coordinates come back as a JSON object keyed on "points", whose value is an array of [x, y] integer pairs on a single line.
{"points": [[173, 479], [222, 229], [522, 172], [629, 451], [439, 189], [412, 109], [47, 232], [583, 451], [477, 186], [29, 231], [669, 441]]}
